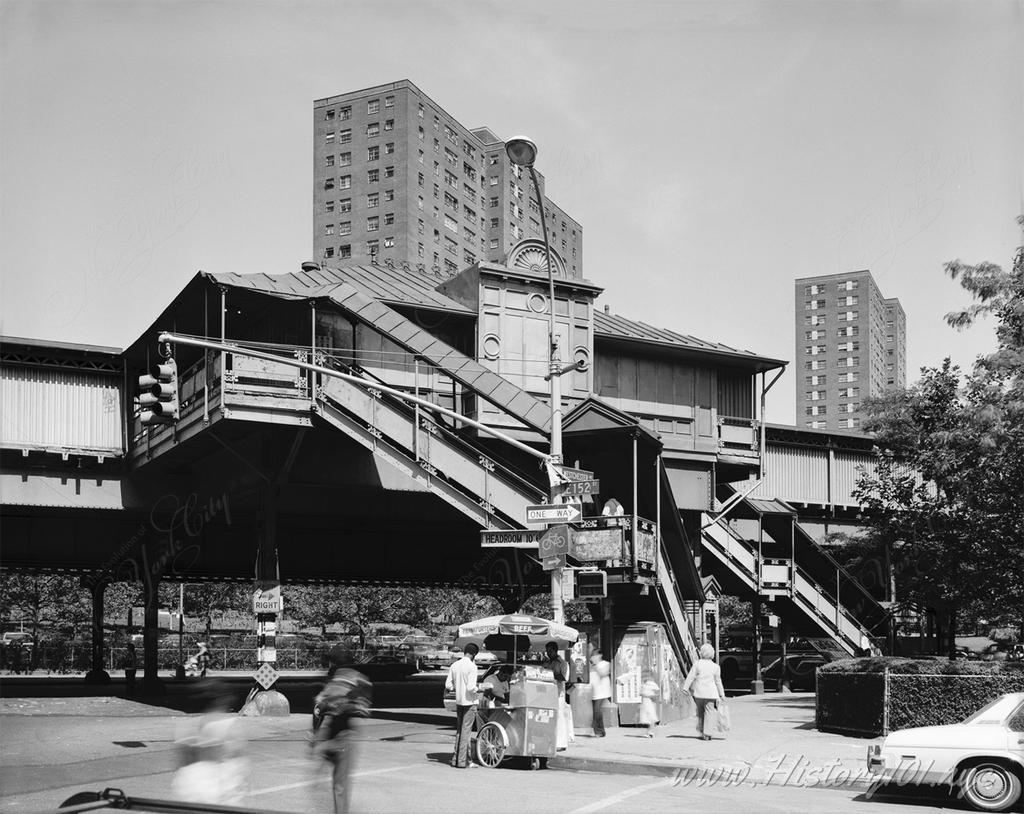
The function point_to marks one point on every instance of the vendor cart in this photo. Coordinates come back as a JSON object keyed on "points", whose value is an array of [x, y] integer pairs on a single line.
{"points": [[525, 725]]}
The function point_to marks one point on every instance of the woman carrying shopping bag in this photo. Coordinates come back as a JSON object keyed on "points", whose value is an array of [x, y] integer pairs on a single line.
{"points": [[704, 682]]}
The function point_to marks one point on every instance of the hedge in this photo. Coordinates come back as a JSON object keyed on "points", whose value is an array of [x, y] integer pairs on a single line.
{"points": [[875, 696]]}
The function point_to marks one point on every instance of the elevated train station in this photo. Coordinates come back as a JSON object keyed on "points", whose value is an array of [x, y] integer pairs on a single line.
{"points": [[346, 472]]}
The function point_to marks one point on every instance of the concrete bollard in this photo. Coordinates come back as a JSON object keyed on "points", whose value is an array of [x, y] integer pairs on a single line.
{"points": [[267, 703]]}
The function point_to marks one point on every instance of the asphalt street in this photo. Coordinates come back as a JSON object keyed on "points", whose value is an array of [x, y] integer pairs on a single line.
{"points": [[53, 748]]}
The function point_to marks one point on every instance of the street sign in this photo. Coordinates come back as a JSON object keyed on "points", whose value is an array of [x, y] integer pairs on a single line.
{"points": [[516, 538], [551, 563], [568, 584], [266, 676], [555, 541], [579, 487], [552, 513], [571, 474], [267, 601]]}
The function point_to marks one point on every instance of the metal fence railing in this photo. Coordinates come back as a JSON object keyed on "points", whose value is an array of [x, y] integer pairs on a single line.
{"points": [[77, 658]]}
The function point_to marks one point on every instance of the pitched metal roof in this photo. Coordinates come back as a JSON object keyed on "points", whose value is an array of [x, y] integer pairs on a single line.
{"points": [[405, 333], [619, 327], [398, 286]]}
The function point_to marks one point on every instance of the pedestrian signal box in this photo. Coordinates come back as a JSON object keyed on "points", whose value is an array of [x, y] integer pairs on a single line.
{"points": [[591, 584]]}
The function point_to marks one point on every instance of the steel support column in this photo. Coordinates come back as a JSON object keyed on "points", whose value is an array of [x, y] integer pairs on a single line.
{"points": [[97, 674]]}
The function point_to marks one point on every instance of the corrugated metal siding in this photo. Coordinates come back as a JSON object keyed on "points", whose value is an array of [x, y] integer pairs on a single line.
{"points": [[849, 466], [60, 409], [795, 474], [734, 394]]}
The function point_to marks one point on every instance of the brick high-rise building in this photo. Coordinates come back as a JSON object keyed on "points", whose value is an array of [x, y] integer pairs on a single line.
{"points": [[851, 342], [397, 178]]}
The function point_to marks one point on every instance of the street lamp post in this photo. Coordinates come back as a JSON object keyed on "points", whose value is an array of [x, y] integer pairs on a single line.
{"points": [[522, 152]]}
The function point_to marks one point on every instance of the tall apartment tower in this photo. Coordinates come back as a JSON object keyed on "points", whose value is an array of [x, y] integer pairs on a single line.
{"points": [[398, 179], [851, 342]]}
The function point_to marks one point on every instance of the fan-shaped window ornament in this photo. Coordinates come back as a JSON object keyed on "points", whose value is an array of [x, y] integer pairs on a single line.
{"points": [[529, 255]]}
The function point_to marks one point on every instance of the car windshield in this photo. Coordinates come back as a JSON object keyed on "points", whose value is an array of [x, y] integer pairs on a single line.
{"points": [[995, 712]]}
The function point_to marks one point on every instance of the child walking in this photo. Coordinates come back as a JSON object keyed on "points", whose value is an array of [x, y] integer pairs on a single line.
{"points": [[650, 692]]}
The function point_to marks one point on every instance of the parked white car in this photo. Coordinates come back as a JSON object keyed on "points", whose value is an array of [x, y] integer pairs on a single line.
{"points": [[982, 758]]}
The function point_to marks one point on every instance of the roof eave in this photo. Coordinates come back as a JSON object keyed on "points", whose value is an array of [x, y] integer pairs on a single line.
{"points": [[737, 358]]}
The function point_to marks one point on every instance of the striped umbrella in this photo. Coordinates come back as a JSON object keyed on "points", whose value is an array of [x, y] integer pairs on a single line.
{"points": [[515, 631]]}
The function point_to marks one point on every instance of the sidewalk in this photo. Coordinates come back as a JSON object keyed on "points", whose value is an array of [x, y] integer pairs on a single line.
{"points": [[773, 740]]}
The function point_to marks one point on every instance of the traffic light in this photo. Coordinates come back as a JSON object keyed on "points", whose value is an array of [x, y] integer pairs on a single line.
{"points": [[591, 584], [158, 394]]}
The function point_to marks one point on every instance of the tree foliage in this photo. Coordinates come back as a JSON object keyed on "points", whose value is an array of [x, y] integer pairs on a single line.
{"points": [[45, 605], [947, 493]]}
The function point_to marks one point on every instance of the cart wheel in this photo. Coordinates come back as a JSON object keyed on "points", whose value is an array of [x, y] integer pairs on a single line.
{"points": [[534, 764], [490, 745]]}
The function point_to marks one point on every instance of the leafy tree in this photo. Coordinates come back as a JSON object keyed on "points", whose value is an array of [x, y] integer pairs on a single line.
{"points": [[734, 613], [208, 599], [318, 606], [946, 496], [47, 605]]}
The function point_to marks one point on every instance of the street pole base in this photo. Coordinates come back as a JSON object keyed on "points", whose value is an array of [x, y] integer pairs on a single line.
{"points": [[267, 703], [757, 687], [97, 677]]}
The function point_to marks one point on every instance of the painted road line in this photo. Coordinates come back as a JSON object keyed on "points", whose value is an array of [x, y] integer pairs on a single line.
{"points": [[326, 779], [597, 805]]}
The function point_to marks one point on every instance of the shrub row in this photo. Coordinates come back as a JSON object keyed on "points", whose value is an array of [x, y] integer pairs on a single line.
{"points": [[874, 696], [936, 666]]}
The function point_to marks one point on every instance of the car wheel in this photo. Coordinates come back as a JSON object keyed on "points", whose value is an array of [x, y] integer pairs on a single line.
{"points": [[490, 745], [729, 672], [990, 786]]}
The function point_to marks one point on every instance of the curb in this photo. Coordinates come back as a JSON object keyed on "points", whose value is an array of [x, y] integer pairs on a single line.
{"points": [[605, 766], [698, 774]]}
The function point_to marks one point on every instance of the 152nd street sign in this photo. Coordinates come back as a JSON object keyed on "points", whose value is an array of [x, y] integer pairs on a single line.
{"points": [[578, 488]]}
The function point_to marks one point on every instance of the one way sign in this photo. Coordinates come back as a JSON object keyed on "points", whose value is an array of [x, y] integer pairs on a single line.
{"points": [[552, 513]]}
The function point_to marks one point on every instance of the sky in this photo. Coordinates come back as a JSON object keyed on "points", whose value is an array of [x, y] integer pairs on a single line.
{"points": [[713, 151]]}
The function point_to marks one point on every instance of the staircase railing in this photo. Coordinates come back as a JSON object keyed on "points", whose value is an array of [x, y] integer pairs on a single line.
{"points": [[681, 632], [417, 436], [808, 593]]}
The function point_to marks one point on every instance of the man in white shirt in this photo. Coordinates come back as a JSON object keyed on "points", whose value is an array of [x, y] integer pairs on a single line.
{"points": [[600, 689], [462, 681]]}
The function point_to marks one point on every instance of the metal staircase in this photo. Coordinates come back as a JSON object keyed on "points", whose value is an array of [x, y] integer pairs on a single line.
{"points": [[674, 609], [452, 466], [773, 577]]}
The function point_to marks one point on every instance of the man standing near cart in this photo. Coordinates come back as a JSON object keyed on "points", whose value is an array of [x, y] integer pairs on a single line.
{"points": [[462, 681]]}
